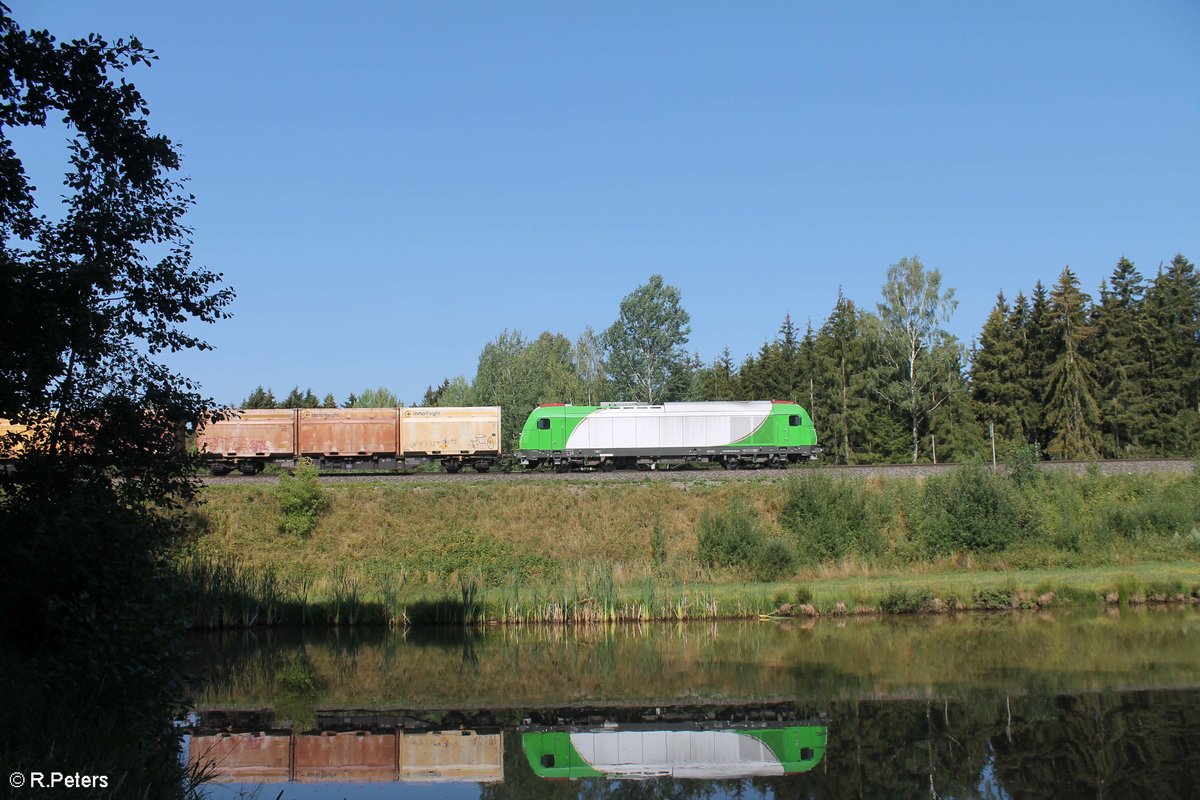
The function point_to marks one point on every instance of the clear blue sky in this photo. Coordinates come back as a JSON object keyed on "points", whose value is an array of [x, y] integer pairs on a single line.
{"points": [[388, 185]]}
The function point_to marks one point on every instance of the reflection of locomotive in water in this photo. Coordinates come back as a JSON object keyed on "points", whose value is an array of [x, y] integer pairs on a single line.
{"points": [[756, 750], [609, 436]]}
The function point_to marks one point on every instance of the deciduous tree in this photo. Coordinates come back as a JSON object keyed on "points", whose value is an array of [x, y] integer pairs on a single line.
{"points": [[91, 299], [913, 342], [646, 346]]}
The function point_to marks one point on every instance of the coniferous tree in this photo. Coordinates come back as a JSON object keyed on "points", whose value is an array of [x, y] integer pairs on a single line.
{"points": [[1072, 414], [260, 399], [299, 399], [840, 359], [996, 372], [1041, 350], [1172, 314], [719, 380], [430, 398], [1122, 359]]}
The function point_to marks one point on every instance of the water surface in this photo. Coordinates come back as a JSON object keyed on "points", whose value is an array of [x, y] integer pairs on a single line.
{"points": [[1067, 703]]}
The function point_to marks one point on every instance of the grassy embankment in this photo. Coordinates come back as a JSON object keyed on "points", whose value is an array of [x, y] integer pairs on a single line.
{"points": [[562, 551]]}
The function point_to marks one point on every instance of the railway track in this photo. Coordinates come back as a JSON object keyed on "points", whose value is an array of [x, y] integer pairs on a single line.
{"points": [[856, 471]]}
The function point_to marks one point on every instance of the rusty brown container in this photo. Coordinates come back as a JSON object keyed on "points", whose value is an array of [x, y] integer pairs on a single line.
{"points": [[347, 431], [450, 431], [250, 433], [357, 756], [242, 757], [452, 756], [11, 439]]}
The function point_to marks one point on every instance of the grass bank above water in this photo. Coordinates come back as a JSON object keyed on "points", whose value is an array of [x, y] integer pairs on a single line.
{"points": [[556, 552]]}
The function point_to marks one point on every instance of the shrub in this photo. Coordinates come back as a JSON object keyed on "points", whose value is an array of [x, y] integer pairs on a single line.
{"points": [[899, 600], [728, 538], [658, 545], [302, 501], [772, 559], [971, 510], [1024, 464], [828, 519]]}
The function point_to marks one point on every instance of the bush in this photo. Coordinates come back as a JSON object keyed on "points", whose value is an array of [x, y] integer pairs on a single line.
{"points": [[828, 519], [971, 510], [728, 538], [772, 559], [1024, 464], [302, 501]]}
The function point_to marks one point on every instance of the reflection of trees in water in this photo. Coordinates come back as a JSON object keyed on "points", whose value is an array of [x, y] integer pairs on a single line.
{"points": [[1104, 745], [1137, 744]]}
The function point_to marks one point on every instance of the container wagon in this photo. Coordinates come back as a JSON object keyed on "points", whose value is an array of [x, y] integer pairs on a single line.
{"points": [[351, 438], [626, 435]]}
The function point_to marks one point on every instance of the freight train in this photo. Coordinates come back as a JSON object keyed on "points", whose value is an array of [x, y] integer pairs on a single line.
{"points": [[559, 435]]}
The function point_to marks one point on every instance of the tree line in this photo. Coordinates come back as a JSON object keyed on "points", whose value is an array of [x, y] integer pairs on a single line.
{"points": [[1074, 377]]}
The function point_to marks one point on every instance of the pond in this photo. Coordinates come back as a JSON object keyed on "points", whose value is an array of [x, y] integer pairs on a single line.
{"points": [[1067, 703]]}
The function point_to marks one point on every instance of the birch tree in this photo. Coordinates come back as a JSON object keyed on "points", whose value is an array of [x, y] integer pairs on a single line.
{"points": [[913, 345]]}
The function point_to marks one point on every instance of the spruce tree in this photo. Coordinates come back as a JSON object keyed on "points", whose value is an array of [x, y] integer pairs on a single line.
{"points": [[260, 398], [996, 372], [1072, 414], [1122, 359], [840, 367], [1041, 350], [1172, 314]]}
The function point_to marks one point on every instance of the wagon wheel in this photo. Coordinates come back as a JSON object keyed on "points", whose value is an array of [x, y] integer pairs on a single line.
{"points": [[482, 466], [451, 465], [218, 470]]}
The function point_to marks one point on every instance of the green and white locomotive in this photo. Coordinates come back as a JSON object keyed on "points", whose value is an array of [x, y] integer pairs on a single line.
{"points": [[767, 433]]}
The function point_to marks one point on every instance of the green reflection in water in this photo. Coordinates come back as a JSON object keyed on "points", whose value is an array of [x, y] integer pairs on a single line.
{"points": [[1061, 652]]}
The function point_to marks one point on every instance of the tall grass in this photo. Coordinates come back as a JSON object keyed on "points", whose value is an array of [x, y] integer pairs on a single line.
{"points": [[552, 553]]}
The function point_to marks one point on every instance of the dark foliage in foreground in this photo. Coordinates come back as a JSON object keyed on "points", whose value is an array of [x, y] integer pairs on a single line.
{"points": [[90, 298]]}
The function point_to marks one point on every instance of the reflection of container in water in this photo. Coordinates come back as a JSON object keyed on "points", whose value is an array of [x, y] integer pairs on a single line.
{"points": [[359, 756], [708, 754], [243, 757], [452, 756]]}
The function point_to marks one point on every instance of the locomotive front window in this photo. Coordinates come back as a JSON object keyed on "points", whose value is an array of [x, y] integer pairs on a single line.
{"points": [[543, 424], [794, 420]]}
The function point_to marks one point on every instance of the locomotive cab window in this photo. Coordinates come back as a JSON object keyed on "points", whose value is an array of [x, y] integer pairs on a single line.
{"points": [[543, 424], [794, 420]]}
